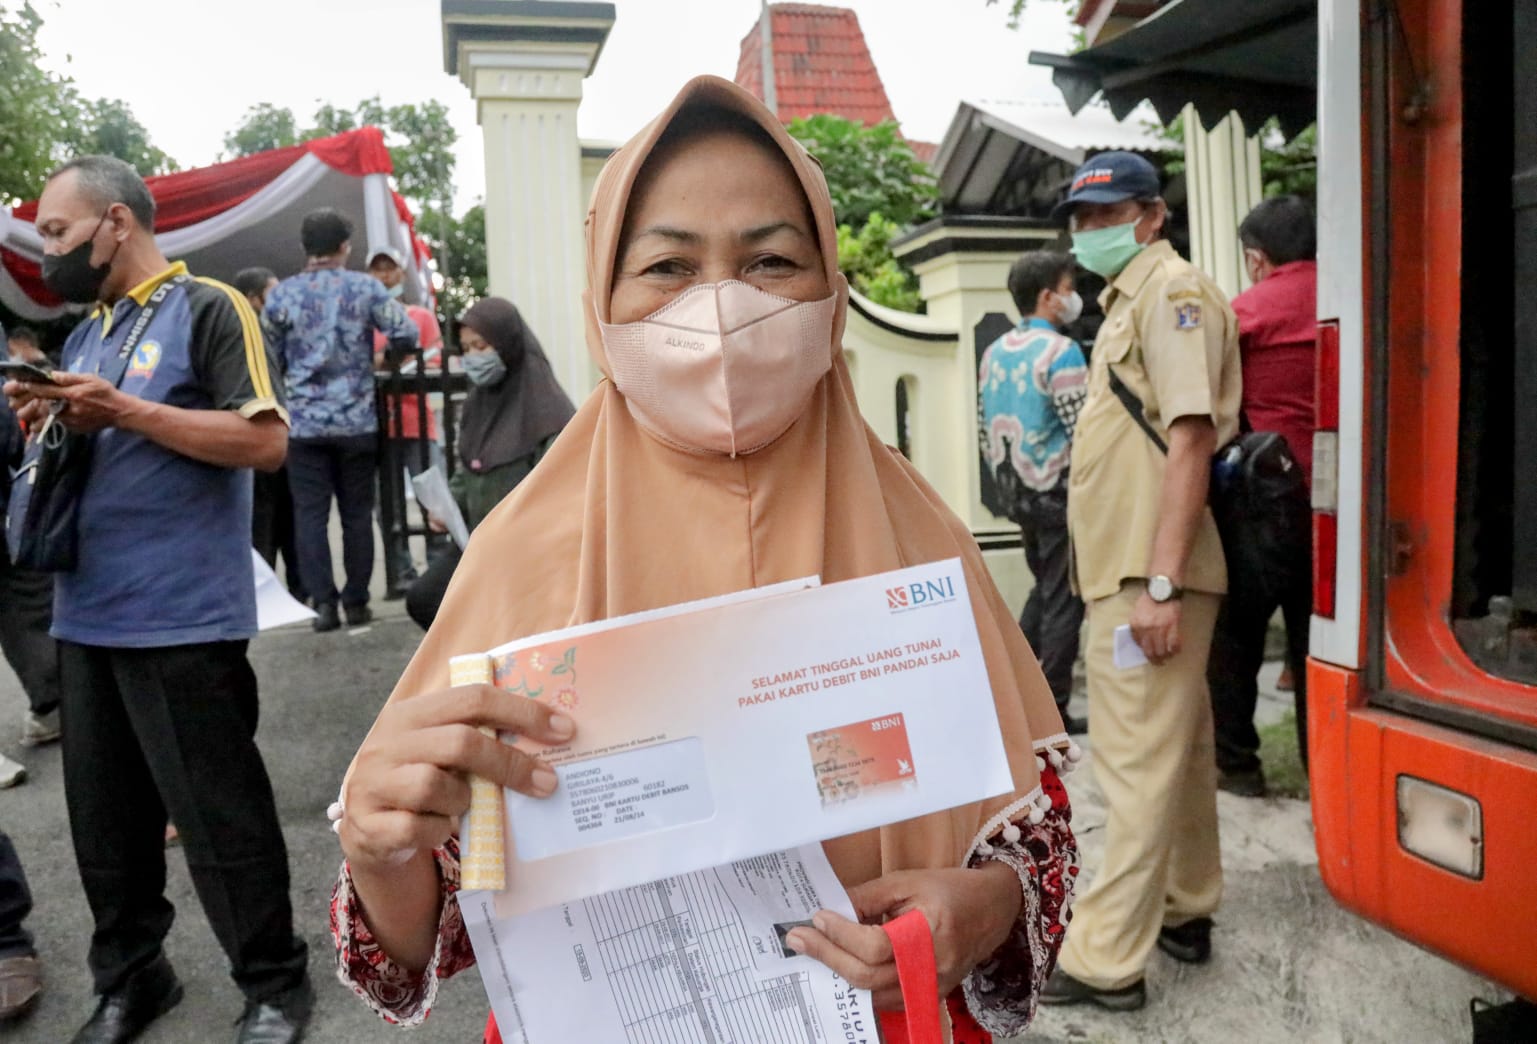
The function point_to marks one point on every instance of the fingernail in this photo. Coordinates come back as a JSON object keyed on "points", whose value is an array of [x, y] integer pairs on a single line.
{"points": [[544, 780], [819, 921], [794, 942], [561, 726]]}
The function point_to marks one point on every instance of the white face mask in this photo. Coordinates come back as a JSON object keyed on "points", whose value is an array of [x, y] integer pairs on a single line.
{"points": [[1070, 307], [724, 367]]}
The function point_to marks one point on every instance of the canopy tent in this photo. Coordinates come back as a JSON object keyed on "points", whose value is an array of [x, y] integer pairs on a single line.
{"points": [[1259, 57], [246, 212]]}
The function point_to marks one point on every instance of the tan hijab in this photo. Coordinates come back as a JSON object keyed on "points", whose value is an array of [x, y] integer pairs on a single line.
{"points": [[613, 521]]}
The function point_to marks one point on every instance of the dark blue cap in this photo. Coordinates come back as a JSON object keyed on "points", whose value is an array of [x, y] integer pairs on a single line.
{"points": [[1110, 177]]}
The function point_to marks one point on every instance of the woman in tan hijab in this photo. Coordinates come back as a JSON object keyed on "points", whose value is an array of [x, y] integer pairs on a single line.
{"points": [[691, 474]]}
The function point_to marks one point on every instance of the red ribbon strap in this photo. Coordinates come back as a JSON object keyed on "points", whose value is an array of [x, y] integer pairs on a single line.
{"points": [[912, 945]]}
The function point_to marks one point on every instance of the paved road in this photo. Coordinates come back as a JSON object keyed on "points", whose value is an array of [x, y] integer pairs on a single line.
{"points": [[1290, 964]]}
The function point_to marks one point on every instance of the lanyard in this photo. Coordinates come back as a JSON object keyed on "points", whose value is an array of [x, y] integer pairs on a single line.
{"points": [[118, 365]]}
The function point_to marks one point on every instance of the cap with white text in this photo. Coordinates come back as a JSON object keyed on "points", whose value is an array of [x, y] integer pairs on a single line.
{"points": [[1110, 177]]}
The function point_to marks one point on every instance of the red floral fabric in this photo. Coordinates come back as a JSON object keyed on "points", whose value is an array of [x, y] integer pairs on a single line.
{"points": [[997, 999], [362, 965]]}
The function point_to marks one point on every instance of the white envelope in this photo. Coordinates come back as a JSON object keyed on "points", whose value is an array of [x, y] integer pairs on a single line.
{"points": [[717, 733]]}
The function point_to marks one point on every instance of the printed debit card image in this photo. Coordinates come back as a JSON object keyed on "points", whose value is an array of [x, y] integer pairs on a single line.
{"points": [[854, 760]]}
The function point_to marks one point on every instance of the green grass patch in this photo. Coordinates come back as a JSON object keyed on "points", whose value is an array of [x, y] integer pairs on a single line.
{"points": [[1284, 776]]}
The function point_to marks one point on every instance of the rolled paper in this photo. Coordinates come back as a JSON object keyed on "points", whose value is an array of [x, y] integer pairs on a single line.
{"points": [[482, 840]]}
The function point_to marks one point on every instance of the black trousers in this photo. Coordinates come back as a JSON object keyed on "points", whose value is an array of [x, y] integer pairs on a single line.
{"points": [[1238, 651], [272, 526], [152, 733], [26, 613], [342, 467], [15, 903], [1053, 614]]}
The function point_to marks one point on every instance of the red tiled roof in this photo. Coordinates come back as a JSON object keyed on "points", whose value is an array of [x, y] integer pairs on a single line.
{"points": [[821, 64], [924, 150]]}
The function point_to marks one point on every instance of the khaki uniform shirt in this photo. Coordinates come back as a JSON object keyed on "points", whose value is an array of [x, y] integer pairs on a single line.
{"points": [[1172, 339]]}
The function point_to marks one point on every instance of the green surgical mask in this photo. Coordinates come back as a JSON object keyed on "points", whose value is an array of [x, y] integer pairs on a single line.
{"points": [[1106, 251]]}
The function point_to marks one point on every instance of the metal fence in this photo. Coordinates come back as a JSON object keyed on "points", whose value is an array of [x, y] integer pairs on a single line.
{"points": [[435, 392]]}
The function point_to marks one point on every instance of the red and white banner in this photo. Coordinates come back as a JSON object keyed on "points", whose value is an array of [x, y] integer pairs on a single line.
{"points": [[246, 212]]}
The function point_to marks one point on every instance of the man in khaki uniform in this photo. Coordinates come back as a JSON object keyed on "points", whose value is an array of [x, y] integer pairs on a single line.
{"points": [[1149, 563]]}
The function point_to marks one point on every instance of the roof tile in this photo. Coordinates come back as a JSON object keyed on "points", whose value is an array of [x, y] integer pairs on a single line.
{"points": [[821, 64]]}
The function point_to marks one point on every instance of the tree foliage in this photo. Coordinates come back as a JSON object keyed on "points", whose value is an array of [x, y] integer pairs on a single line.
{"points": [[879, 188], [264, 126], [869, 169], [46, 121], [1017, 11], [459, 246], [108, 127], [866, 258]]}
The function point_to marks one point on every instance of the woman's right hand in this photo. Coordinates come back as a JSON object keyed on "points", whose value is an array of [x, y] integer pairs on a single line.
{"points": [[436, 524], [410, 780]]}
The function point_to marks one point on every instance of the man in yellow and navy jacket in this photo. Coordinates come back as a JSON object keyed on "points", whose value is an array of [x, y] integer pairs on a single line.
{"points": [[171, 376]]}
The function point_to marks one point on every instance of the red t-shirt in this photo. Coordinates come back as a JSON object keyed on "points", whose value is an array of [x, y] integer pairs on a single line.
{"points": [[430, 337], [1277, 328]]}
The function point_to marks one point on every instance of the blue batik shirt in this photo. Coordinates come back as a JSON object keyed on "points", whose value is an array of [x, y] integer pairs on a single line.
{"points": [[1031, 384], [323, 321]]}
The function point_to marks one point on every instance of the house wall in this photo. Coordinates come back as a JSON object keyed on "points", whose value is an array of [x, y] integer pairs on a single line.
{"points": [[884, 347]]}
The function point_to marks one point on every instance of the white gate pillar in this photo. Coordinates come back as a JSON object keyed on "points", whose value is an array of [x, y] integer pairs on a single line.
{"points": [[524, 62]]}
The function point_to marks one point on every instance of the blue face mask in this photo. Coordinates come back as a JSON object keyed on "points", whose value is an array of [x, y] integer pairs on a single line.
{"points": [[1106, 251], [484, 368], [397, 291]]}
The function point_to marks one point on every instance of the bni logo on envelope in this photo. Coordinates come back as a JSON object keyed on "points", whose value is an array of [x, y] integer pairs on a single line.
{"points": [[921, 594], [851, 761]]}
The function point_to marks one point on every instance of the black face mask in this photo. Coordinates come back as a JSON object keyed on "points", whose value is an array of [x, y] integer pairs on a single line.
{"points": [[71, 275]]}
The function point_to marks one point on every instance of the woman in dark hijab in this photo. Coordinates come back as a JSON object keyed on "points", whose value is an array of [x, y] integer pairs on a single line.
{"points": [[514, 411]]}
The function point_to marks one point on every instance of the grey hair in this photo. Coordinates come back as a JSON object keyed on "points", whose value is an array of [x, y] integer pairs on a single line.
{"points": [[108, 180]]}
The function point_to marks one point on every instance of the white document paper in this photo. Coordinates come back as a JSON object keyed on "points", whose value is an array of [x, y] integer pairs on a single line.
{"points": [[711, 734], [1127, 653], [274, 605], [433, 494], [698, 957]]}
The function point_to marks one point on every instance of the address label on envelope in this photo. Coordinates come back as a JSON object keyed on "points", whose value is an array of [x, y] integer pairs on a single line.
{"points": [[720, 730]]}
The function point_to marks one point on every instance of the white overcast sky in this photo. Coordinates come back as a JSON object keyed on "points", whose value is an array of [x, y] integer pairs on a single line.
{"points": [[190, 68]]}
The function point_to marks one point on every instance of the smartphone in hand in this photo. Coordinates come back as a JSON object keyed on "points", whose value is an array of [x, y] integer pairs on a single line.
{"points": [[12, 370]]}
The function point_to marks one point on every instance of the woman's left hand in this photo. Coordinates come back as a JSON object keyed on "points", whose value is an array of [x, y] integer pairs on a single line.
{"points": [[970, 913]]}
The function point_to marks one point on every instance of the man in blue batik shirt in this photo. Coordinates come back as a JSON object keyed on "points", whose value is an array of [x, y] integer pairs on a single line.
{"points": [[323, 321], [1031, 382]]}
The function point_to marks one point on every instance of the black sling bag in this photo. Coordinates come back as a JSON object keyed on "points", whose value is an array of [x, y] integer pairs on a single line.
{"points": [[1260, 502]]}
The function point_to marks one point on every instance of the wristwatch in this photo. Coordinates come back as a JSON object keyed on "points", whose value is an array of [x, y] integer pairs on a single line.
{"points": [[1161, 589]]}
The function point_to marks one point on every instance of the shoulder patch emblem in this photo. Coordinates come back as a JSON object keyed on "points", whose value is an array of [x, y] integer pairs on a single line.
{"points": [[145, 358], [1187, 317]]}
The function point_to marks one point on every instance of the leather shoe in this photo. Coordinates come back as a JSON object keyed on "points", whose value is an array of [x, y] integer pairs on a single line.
{"points": [[21, 982], [1189, 943], [125, 1013], [358, 615], [325, 617], [1062, 988], [1244, 784], [277, 1020]]}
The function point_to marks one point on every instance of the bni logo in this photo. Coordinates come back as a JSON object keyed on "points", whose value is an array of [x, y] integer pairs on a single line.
{"points": [[921, 594]]}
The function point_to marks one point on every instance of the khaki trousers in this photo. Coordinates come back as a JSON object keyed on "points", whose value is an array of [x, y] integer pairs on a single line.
{"points": [[1151, 733]]}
